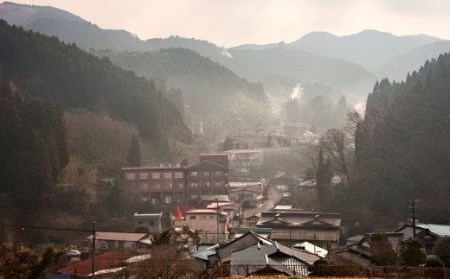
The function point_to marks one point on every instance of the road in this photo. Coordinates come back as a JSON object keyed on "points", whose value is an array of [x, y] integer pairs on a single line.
{"points": [[273, 198]]}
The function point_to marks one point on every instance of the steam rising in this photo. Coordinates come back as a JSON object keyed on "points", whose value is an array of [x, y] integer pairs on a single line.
{"points": [[297, 92]]}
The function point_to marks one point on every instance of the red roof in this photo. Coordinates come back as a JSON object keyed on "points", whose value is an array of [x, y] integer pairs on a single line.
{"points": [[178, 215], [105, 261]]}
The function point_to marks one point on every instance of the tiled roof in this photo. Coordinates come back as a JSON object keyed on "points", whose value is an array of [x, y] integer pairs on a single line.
{"points": [[119, 236], [301, 218], [441, 230], [108, 262]]}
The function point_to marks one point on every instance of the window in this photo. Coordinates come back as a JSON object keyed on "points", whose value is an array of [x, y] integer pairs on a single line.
{"points": [[192, 217], [217, 172], [143, 175], [156, 185], [156, 175], [207, 184], [217, 184], [180, 185], [202, 217], [169, 184], [206, 173], [143, 185], [194, 197], [168, 199], [194, 185], [131, 176], [212, 217], [179, 174], [167, 175], [193, 173]]}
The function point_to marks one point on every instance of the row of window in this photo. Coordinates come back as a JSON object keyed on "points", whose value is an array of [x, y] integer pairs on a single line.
{"points": [[206, 184], [178, 174], [144, 185], [201, 217]]}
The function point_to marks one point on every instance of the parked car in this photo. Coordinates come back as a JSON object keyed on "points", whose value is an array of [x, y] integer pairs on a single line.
{"points": [[74, 253]]}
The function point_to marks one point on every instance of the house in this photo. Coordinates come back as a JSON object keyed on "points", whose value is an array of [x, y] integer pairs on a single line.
{"points": [[249, 196], [120, 240], [246, 240], [105, 266], [245, 160], [294, 225], [152, 220], [311, 248], [205, 178], [427, 234], [231, 208], [158, 185], [273, 259], [212, 225]]}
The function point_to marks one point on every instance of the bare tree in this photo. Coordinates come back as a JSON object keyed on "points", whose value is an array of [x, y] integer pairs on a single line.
{"points": [[166, 262], [335, 146]]}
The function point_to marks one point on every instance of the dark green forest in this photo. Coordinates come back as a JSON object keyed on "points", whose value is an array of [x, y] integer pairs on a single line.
{"points": [[45, 68], [401, 153]]}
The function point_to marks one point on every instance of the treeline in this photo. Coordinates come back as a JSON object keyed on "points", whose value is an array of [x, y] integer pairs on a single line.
{"points": [[213, 94], [402, 146], [401, 153], [44, 67], [33, 153]]}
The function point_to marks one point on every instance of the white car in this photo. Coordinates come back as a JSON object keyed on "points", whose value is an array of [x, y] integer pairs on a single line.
{"points": [[74, 253]]}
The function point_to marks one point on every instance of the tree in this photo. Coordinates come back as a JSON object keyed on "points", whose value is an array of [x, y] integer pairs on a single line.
{"points": [[134, 153], [381, 249], [166, 262], [335, 146], [323, 177], [227, 144], [412, 253], [442, 250]]}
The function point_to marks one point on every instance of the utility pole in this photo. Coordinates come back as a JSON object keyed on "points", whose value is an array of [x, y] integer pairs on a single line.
{"points": [[413, 208], [217, 204], [93, 250]]}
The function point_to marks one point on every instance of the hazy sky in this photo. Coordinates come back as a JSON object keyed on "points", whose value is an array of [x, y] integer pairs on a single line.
{"points": [[233, 22]]}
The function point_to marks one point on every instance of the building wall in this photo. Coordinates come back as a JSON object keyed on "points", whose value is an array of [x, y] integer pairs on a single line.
{"points": [[157, 185], [205, 182], [221, 159], [206, 223]]}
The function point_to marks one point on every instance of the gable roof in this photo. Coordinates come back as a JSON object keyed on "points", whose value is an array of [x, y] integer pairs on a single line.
{"points": [[259, 256], [108, 262], [300, 218], [120, 236]]}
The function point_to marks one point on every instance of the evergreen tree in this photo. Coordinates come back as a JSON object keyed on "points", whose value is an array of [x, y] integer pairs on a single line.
{"points": [[134, 153], [227, 144]]}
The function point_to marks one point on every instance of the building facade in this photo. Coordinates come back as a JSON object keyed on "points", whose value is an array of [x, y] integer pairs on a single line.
{"points": [[210, 224], [175, 184]]}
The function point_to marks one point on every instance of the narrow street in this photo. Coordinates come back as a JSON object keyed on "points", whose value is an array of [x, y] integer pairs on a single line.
{"points": [[273, 198]]}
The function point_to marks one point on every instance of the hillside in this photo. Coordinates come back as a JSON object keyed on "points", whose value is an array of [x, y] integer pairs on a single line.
{"points": [[277, 84], [209, 90], [45, 68], [370, 48], [402, 149], [400, 66]]}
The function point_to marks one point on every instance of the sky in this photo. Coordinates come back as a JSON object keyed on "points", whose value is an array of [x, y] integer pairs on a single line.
{"points": [[229, 23]]}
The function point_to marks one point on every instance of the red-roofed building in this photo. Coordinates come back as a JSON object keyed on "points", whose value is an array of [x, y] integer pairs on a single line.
{"points": [[104, 265]]}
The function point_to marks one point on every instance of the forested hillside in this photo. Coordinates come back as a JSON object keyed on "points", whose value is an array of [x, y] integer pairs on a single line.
{"points": [[45, 68], [213, 94], [33, 152], [402, 146]]}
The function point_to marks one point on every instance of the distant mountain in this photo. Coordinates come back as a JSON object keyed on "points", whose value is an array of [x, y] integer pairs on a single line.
{"points": [[45, 68], [400, 66], [209, 89], [280, 69], [370, 48], [67, 27], [278, 83]]}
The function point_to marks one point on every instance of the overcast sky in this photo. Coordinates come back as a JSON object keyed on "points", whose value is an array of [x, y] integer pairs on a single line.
{"points": [[233, 22]]}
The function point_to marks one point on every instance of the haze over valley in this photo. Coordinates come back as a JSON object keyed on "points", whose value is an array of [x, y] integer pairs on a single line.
{"points": [[98, 124]]}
